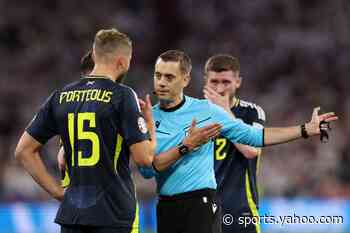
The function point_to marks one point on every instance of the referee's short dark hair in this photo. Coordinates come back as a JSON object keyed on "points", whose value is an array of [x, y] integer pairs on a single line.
{"points": [[178, 56], [220, 63]]}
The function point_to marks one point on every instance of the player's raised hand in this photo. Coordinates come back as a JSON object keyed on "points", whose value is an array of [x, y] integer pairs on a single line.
{"points": [[216, 98], [199, 136], [314, 127], [146, 108]]}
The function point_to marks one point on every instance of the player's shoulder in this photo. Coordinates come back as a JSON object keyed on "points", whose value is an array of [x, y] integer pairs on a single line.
{"points": [[124, 89], [124, 93], [249, 105], [252, 108], [70, 86]]}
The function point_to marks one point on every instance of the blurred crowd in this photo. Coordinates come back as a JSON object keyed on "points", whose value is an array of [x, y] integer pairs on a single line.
{"points": [[295, 55]]}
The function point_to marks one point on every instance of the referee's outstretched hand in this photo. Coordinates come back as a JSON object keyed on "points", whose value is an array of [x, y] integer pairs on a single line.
{"points": [[199, 136], [314, 127]]}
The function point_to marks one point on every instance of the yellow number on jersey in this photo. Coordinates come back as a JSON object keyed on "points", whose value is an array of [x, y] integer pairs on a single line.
{"points": [[84, 135], [220, 143]]}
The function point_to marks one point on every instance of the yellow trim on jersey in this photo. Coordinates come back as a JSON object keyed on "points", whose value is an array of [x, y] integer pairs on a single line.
{"points": [[237, 102], [251, 203], [118, 149], [258, 162], [135, 224], [65, 182], [71, 134]]}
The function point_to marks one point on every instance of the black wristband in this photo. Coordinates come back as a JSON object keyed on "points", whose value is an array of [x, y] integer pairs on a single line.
{"points": [[304, 133]]}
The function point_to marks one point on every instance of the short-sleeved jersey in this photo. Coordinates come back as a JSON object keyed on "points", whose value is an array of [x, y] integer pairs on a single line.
{"points": [[235, 174], [194, 170], [97, 120]]}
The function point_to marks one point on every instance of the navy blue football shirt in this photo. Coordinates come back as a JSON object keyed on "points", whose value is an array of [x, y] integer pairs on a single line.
{"points": [[97, 120]]}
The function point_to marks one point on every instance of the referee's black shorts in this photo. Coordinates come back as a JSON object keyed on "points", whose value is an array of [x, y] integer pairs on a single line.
{"points": [[190, 212], [93, 229]]}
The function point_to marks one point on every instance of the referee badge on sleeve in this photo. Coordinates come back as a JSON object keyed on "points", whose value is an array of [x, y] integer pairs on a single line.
{"points": [[142, 125]]}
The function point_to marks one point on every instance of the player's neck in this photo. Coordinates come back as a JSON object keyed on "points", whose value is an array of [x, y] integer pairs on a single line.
{"points": [[171, 104], [104, 71]]}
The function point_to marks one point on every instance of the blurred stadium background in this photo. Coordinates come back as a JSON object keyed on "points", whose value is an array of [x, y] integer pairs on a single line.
{"points": [[295, 55]]}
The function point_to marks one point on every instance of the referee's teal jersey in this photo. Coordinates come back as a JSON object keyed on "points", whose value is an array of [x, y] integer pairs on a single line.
{"points": [[194, 171]]}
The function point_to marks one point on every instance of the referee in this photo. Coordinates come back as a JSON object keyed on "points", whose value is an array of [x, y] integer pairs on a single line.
{"points": [[187, 187]]}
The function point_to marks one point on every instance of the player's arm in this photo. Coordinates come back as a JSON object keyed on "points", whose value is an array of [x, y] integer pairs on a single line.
{"points": [[61, 160], [62, 166], [142, 154], [249, 152], [138, 131], [28, 154], [257, 116]]}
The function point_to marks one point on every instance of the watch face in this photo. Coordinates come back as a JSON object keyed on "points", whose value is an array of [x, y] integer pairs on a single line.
{"points": [[183, 149]]}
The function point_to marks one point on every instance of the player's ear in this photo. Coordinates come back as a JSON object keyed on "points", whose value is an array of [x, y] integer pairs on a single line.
{"points": [[120, 62], [205, 77], [238, 81], [187, 79]]}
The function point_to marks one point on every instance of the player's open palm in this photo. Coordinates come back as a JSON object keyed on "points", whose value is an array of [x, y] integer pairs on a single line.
{"points": [[199, 136], [320, 122]]}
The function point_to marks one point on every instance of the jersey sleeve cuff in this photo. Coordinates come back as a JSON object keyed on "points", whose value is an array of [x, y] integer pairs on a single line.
{"points": [[134, 140], [263, 137], [41, 140]]}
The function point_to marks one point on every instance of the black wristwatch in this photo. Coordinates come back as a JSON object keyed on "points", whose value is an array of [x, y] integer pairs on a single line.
{"points": [[304, 133], [183, 149]]}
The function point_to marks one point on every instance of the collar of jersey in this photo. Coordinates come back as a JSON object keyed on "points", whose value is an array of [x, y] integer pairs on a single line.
{"points": [[236, 104], [172, 109], [96, 77]]}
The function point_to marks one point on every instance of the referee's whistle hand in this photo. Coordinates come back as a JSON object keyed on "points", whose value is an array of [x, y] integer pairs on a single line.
{"points": [[199, 136]]}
